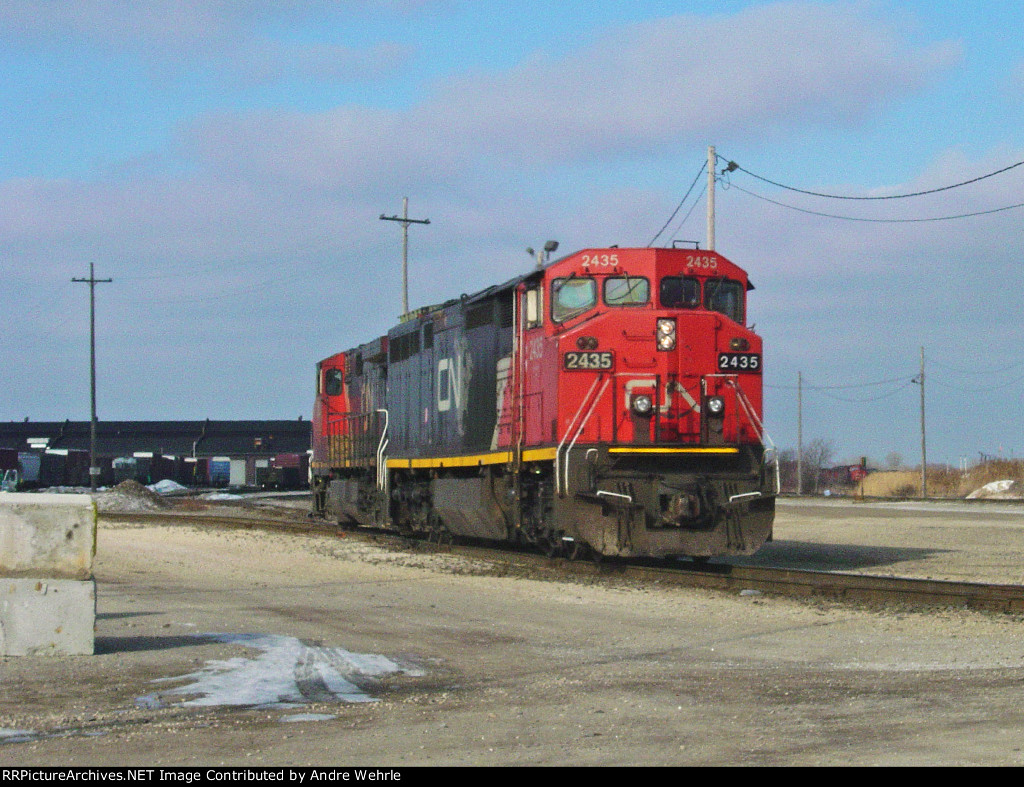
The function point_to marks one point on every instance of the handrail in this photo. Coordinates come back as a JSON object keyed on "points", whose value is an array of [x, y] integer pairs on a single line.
{"points": [[562, 475], [762, 433], [572, 423], [568, 430], [350, 436], [349, 417], [579, 431], [382, 470]]}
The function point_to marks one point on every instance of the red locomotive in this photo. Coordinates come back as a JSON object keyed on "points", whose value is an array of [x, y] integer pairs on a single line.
{"points": [[608, 402]]}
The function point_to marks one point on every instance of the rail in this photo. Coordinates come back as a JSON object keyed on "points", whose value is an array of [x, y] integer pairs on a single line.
{"points": [[796, 583]]}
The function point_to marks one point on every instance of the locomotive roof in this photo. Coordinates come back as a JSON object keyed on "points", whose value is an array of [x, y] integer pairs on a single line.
{"points": [[466, 299], [655, 252], [410, 321]]}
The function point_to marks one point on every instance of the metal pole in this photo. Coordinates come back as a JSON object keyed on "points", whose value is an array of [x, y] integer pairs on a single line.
{"points": [[711, 197], [924, 453], [92, 281], [92, 380], [405, 255], [405, 221], [799, 433]]}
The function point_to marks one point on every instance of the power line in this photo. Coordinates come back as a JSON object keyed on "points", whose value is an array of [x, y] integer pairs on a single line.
{"points": [[689, 213], [1001, 369], [869, 398], [974, 389], [734, 166], [876, 221], [839, 387], [703, 167]]}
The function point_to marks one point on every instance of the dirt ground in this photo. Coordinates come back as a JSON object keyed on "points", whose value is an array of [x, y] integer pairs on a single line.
{"points": [[963, 542], [329, 650]]}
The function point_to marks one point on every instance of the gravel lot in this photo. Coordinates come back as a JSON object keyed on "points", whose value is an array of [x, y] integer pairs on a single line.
{"points": [[341, 652], [966, 542]]}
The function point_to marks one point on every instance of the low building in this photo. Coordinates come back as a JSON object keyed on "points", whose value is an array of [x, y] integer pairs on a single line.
{"points": [[194, 453]]}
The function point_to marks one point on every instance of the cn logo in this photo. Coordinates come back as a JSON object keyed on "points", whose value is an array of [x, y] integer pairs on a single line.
{"points": [[449, 385]]}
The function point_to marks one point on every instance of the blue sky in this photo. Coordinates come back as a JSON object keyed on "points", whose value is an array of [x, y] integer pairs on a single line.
{"points": [[225, 163]]}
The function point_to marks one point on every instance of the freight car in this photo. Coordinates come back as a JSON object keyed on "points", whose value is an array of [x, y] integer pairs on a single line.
{"points": [[607, 403]]}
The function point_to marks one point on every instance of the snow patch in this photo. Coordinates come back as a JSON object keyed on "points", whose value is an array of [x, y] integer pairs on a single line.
{"points": [[8, 735], [1004, 488], [287, 672], [309, 717], [167, 487]]}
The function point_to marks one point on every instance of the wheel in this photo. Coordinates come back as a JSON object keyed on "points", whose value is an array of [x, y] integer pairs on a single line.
{"points": [[552, 545]]}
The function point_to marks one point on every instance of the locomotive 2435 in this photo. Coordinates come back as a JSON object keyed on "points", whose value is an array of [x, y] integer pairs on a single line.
{"points": [[608, 402]]}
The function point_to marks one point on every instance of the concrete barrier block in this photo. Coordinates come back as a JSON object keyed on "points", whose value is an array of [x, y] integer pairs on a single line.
{"points": [[47, 617], [46, 535]]}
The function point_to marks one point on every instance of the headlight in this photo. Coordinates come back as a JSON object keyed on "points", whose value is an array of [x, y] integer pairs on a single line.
{"points": [[716, 405], [587, 342], [666, 334], [642, 404], [739, 343]]}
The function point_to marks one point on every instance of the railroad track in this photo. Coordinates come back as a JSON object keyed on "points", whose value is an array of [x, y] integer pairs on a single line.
{"points": [[795, 583]]}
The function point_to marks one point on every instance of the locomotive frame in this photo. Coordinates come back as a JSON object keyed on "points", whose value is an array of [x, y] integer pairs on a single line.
{"points": [[607, 403]]}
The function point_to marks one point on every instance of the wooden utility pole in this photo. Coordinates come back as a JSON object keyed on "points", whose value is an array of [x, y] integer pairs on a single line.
{"points": [[405, 221], [92, 281]]}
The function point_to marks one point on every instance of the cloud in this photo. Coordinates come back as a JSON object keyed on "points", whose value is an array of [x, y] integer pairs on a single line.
{"points": [[126, 23], [498, 150], [638, 91], [644, 87], [221, 37]]}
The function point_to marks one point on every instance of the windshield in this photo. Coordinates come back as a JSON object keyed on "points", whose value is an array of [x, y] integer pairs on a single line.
{"points": [[626, 291], [572, 297], [725, 297], [679, 292]]}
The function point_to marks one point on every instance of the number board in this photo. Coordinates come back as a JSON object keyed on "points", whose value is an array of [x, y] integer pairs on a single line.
{"points": [[588, 362], [739, 362]]}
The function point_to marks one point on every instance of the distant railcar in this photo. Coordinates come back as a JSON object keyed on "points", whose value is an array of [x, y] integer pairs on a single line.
{"points": [[610, 402]]}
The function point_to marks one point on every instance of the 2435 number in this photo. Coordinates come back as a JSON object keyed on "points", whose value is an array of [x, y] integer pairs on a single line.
{"points": [[739, 362], [575, 361]]}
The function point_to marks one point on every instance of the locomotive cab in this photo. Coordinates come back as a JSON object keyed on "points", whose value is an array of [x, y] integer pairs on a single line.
{"points": [[660, 378]]}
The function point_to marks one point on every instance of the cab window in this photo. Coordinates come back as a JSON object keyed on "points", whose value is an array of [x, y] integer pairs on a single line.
{"points": [[725, 297], [680, 292], [534, 307], [626, 291], [572, 297], [332, 382]]}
